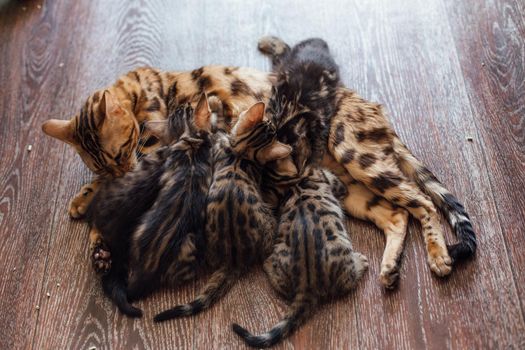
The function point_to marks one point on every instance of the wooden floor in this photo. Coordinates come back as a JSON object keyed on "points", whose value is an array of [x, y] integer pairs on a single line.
{"points": [[445, 70]]}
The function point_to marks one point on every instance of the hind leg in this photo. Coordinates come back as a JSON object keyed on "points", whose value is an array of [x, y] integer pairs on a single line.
{"points": [[390, 183], [363, 204], [368, 156]]}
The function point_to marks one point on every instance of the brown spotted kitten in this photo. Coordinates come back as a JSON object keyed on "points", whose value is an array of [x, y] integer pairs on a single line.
{"points": [[240, 226], [312, 259], [152, 219]]}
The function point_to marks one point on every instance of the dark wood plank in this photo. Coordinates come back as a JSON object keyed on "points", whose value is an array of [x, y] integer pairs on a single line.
{"points": [[28, 180], [419, 58], [492, 58], [403, 55], [77, 309]]}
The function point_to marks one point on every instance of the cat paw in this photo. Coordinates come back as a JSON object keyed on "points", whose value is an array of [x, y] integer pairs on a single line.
{"points": [[80, 203], [101, 258], [389, 276], [361, 263], [441, 264]]}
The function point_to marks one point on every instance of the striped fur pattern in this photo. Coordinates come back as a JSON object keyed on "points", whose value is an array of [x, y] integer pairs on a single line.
{"points": [[109, 133], [363, 143], [312, 259], [240, 226], [152, 219]]}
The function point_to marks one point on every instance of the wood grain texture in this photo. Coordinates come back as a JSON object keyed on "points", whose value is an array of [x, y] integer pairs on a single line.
{"points": [[443, 69]]}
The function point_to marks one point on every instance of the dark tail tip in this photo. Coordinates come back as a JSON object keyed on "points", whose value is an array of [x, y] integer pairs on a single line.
{"points": [[179, 311], [164, 316], [169, 314], [258, 341], [466, 247], [124, 306], [250, 339], [117, 292], [240, 331], [461, 251], [132, 311]]}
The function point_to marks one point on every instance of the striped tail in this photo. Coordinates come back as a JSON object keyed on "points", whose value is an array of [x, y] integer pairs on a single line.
{"points": [[115, 288], [446, 201], [218, 284], [275, 48], [301, 308]]}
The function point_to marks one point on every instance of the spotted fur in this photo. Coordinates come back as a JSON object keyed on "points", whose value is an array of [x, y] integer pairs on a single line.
{"points": [[240, 226], [374, 162], [109, 133], [312, 259]]}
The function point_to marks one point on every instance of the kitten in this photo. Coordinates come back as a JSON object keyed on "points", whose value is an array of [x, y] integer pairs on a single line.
{"points": [[312, 259], [152, 219], [240, 226]]}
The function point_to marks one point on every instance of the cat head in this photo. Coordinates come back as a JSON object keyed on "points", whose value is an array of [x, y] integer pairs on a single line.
{"points": [[183, 123], [104, 134], [304, 133], [253, 137]]}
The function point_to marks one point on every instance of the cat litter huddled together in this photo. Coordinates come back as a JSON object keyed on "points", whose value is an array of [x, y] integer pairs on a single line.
{"points": [[221, 168]]}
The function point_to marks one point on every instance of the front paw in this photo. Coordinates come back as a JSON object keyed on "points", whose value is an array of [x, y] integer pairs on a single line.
{"points": [[101, 258], [79, 204], [361, 264]]}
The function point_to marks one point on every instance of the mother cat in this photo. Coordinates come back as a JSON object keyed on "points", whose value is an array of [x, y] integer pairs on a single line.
{"points": [[382, 175]]}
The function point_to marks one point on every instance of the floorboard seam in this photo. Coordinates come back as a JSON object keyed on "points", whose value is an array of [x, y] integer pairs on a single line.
{"points": [[51, 236]]}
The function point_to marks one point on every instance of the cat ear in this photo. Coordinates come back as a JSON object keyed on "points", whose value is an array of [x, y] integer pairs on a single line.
{"points": [[59, 129], [202, 113], [109, 107], [274, 151], [248, 119]]}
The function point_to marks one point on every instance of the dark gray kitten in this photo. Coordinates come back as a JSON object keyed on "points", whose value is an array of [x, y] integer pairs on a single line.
{"points": [[152, 219]]}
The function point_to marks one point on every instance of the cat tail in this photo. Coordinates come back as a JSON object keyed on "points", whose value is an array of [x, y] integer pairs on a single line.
{"points": [[275, 48], [218, 284], [114, 286], [301, 308], [454, 211]]}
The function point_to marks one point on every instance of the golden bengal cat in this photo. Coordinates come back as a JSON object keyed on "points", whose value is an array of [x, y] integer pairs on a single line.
{"points": [[385, 181]]}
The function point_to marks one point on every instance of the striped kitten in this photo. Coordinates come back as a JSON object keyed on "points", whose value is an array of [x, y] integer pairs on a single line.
{"points": [[312, 259], [240, 226], [152, 219]]}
